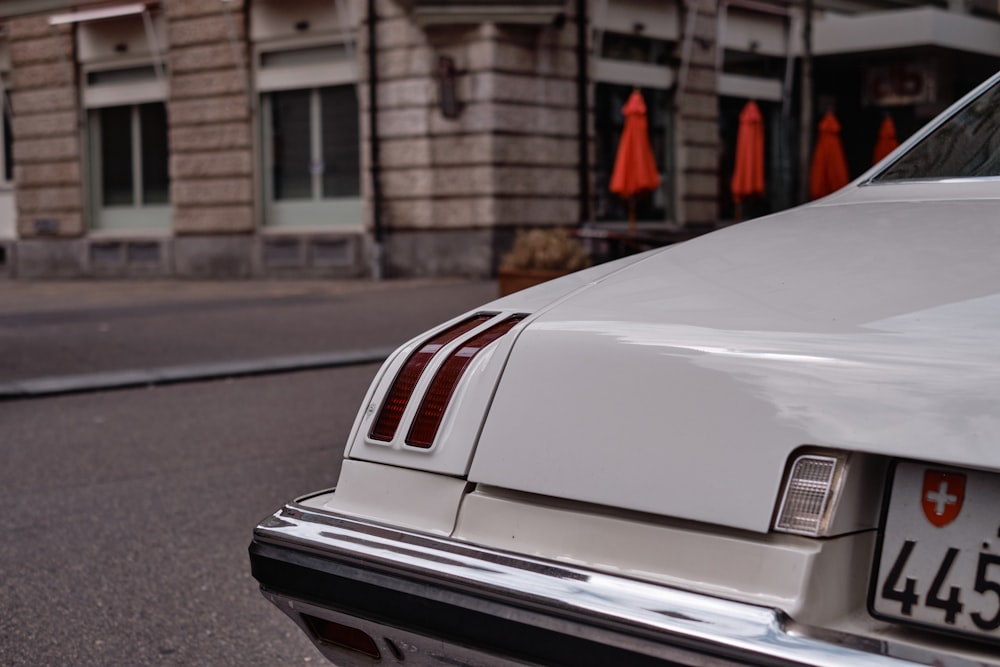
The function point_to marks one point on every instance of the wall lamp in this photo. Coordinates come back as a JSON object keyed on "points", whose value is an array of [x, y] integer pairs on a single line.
{"points": [[447, 74]]}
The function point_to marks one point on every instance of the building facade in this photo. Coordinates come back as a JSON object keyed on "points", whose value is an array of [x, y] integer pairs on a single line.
{"points": [[353, 138]]}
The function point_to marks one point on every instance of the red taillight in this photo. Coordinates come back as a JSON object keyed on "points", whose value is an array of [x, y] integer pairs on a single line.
{"points": [[435, 401], [402, 388]]}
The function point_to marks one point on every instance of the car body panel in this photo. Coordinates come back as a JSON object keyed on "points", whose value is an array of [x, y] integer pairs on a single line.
{"points": [[452, 451], [426, 600], [702, 368], [775, 571], [430, 501]]}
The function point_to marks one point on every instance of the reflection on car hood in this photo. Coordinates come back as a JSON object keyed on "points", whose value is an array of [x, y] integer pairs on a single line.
{"points": [[680, 384]]}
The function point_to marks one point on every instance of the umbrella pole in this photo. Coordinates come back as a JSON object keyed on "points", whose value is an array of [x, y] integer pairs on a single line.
{"points": [[631, 216]]}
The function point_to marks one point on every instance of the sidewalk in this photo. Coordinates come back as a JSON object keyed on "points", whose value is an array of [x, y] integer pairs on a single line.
{"points": [[64, 337], [43, 295]]}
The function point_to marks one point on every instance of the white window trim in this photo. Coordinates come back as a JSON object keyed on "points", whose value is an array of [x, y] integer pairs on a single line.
{"points": [[634, 74], [309, 75], [305, 76], [122, 94], [750, 87]]}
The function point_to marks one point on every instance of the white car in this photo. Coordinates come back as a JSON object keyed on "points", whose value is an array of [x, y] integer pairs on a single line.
{"points": [[775, 444]]}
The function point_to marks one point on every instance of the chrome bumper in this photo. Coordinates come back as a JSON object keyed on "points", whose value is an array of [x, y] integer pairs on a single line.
{"points": [[432, 600]]}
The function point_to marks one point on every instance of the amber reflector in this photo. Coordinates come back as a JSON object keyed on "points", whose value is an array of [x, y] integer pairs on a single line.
{"points": [[432, 408], [343, 636], [402, 388]]}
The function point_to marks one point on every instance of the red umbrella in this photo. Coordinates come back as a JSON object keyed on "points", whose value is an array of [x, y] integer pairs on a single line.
{"points": [[887, 141], [829, 166], [635, 169], [748, 173]]}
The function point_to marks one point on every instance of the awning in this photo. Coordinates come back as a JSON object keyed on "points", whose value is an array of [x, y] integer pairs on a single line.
{"points": [[114, 11], [905, 28]]}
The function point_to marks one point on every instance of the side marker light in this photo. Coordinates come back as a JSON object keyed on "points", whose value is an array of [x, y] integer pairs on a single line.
{"points": [[809, 495]]}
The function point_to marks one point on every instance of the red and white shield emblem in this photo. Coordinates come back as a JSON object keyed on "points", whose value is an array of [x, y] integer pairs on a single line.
{"points": [[942, 496]]}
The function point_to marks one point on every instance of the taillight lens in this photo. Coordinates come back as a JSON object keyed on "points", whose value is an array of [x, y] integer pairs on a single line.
{"points": [[435, 401], [402, 387]]}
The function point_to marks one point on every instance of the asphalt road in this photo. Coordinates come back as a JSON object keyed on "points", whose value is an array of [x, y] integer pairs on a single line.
{"points": [[129, 512], [128, 515], [59, 329]]}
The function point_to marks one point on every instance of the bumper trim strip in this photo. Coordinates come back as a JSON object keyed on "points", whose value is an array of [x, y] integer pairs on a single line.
{"points": [[422, 583]]}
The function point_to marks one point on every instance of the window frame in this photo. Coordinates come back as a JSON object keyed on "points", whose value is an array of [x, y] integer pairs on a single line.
{"points": [[643, 75], [317, 210], [316, 213], [152, 89]]}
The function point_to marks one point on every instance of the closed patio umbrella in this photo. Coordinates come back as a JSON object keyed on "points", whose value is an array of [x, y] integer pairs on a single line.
{"points": [[635, 169], [829, 166], [748, 171], [887, 140]]}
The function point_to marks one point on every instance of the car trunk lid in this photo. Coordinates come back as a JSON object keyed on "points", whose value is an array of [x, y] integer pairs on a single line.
{"points": [[680, 385]]}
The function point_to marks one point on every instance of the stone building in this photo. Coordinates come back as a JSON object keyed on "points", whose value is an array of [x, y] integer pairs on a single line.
{"points": [[240, 138]]}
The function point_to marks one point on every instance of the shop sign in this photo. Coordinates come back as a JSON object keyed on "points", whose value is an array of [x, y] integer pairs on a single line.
{"points": [[896, 85]]}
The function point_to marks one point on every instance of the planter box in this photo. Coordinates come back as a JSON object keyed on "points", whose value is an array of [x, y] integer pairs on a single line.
{"points": [[514, 280]]}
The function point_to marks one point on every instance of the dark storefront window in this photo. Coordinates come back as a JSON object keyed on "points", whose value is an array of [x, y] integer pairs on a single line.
{"points": [[341, 153], [291, 136], [153, 141], [609, 121], [780, 160], [636, 49]]}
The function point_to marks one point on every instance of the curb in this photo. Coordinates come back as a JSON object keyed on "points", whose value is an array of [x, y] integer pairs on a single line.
{"points": [[148, 377]]}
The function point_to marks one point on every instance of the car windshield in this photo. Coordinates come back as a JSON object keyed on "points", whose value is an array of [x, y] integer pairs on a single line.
{"points": [[967, 145]]}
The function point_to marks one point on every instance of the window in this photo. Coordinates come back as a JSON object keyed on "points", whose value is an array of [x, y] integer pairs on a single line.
{"points": [[630, 61], [966, 145], [131, 186], [778, 160], [310, 174], [636, 48], [312, 161], [609, 121]]}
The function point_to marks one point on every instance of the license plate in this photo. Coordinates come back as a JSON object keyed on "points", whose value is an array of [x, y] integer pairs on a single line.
{"points": [[938, 560]]}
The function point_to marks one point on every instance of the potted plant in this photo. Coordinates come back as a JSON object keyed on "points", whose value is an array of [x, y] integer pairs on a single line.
{"points": [[539, 255]]}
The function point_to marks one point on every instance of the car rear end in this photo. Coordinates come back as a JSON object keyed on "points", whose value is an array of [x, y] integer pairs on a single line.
{"points": [[542, 482]]}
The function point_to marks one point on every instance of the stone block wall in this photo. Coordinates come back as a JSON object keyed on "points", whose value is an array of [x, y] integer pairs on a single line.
{"points": [[453, 190], [508, 160], [46, 130], [697, 132], [211, 131]]}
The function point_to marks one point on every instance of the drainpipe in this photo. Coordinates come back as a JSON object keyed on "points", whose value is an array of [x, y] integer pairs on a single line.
{"points": [[805, 131], [581, 96], [373, 142]]}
